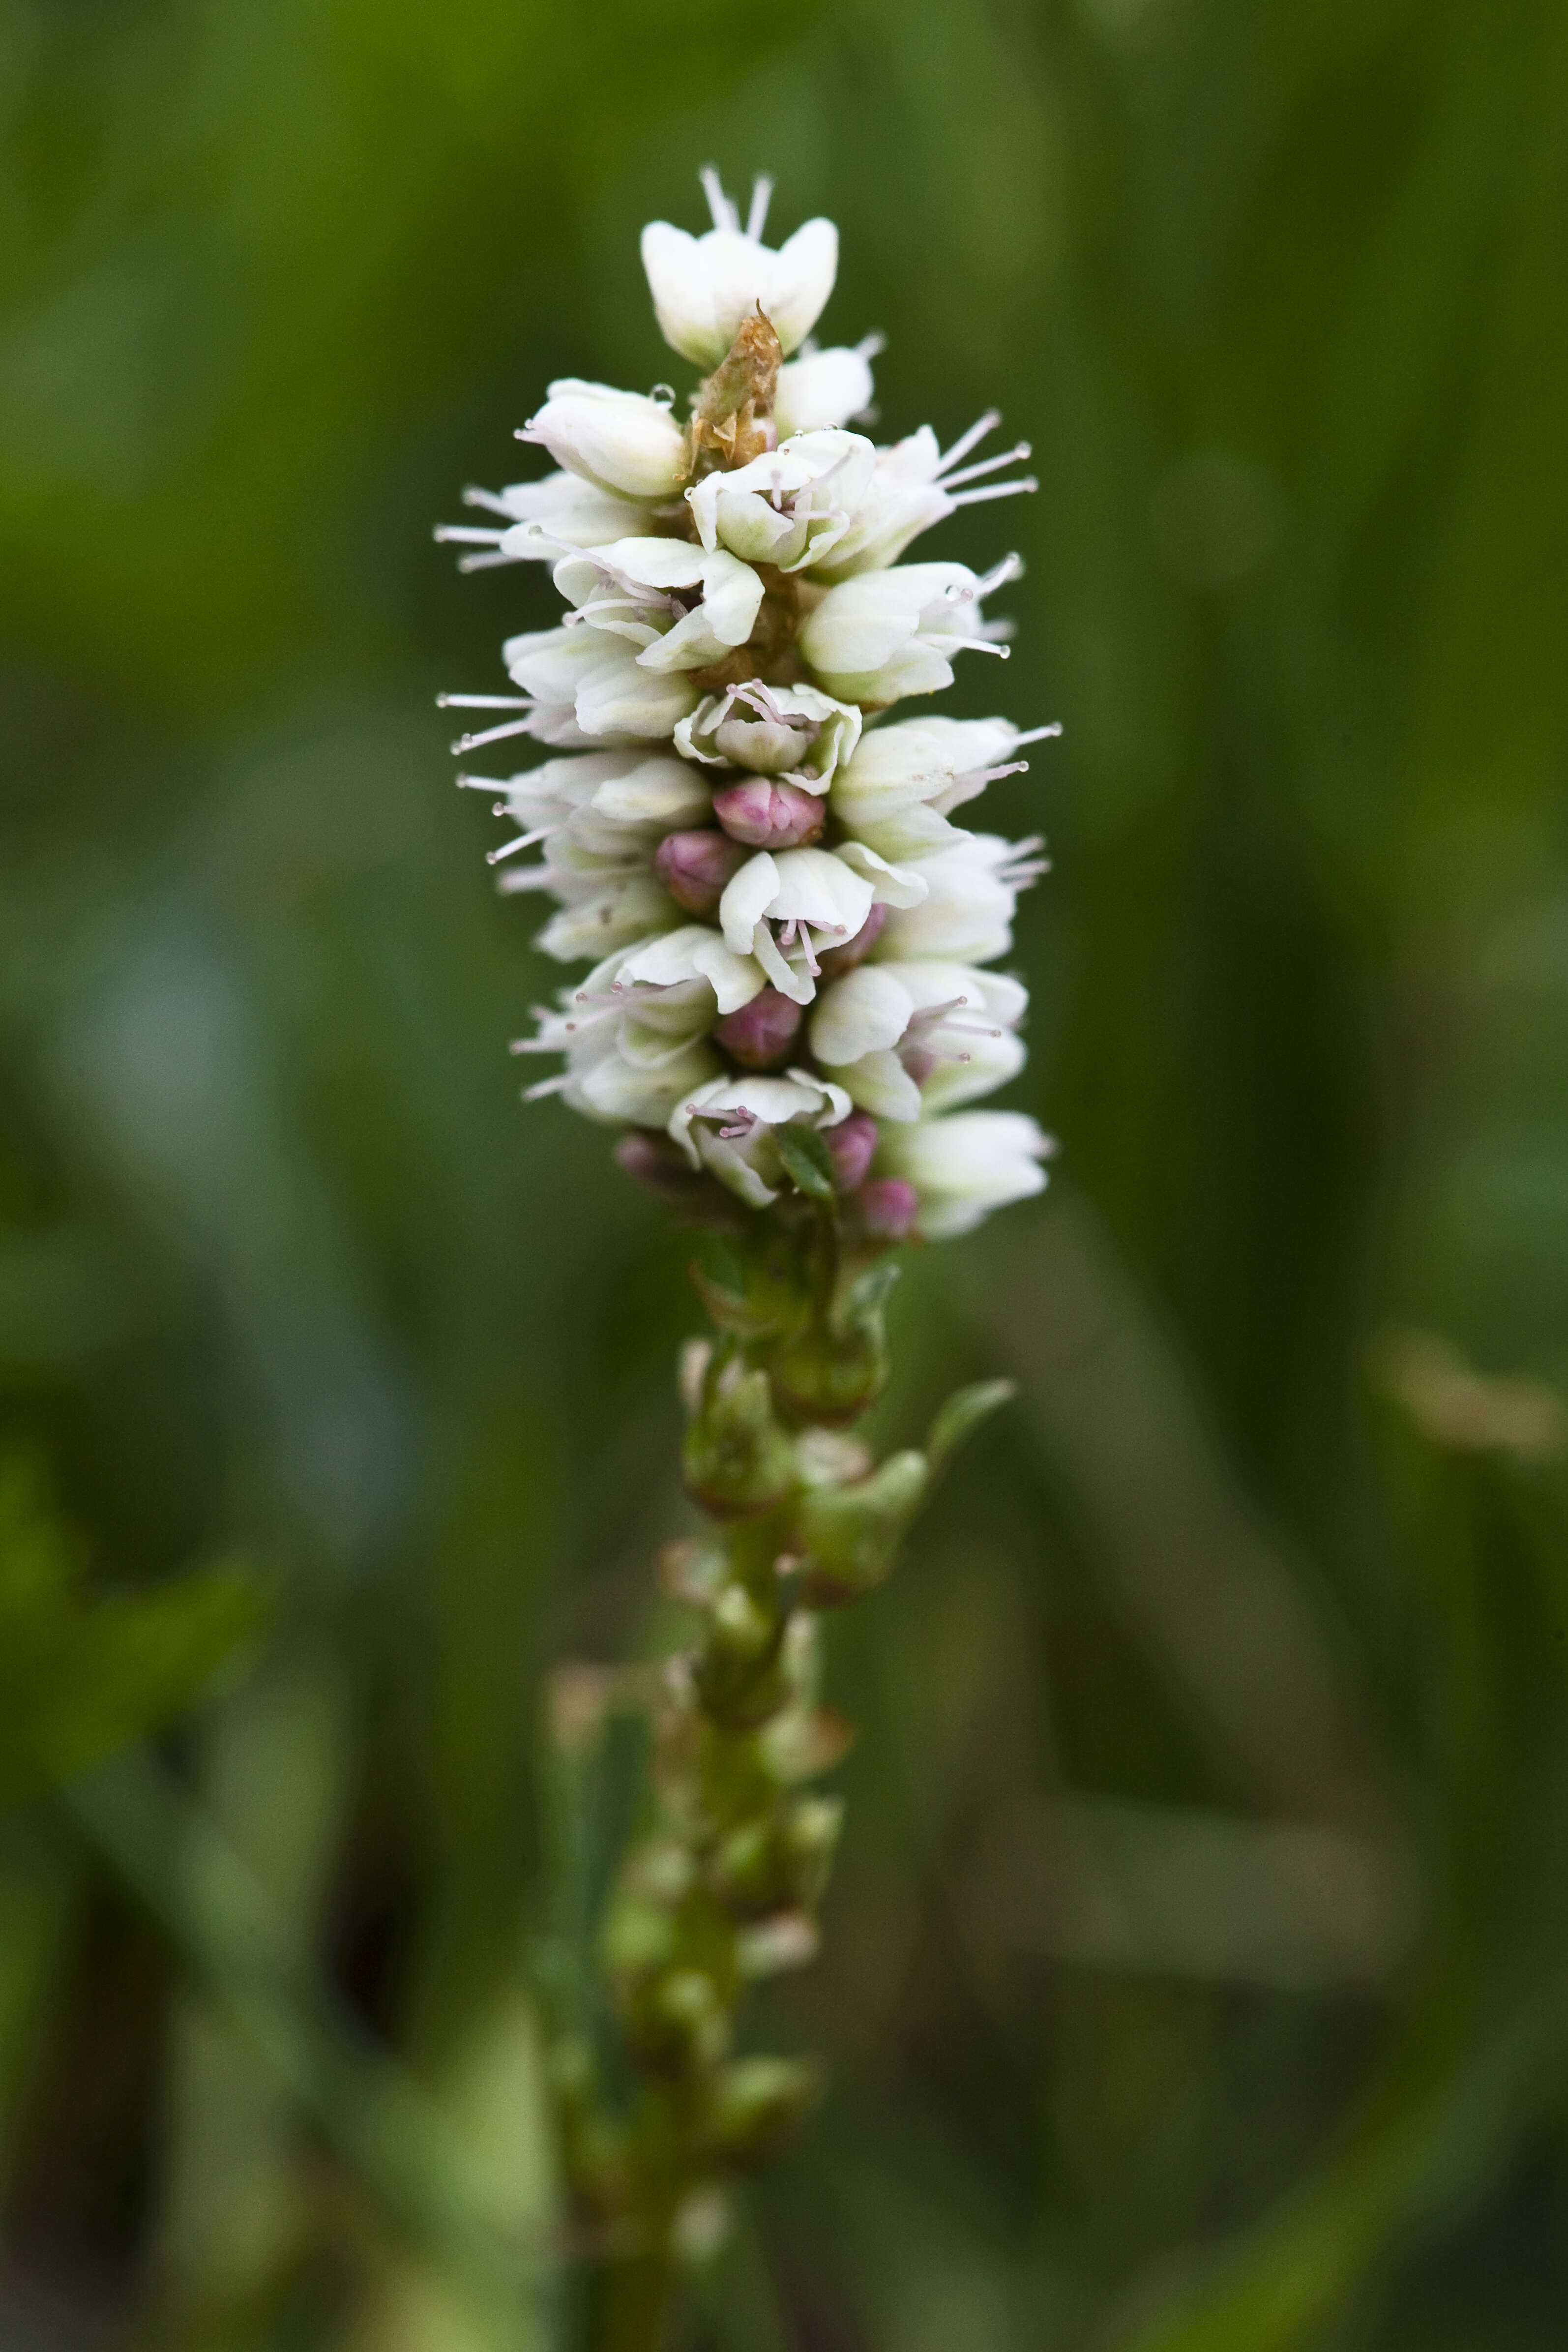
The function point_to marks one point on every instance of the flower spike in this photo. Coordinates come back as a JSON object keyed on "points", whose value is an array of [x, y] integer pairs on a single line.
{"points": [[747, 819]]}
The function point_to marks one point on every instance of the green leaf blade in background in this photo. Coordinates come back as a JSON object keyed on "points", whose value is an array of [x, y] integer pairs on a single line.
{"points": [[81, 1677]]}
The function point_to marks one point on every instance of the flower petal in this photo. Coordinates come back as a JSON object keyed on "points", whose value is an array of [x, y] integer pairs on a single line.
{"points": [[746, 898], [864, 1013]]}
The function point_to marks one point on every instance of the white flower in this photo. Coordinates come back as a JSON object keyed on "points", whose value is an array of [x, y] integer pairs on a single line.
{"points": [[964, 1166], [584, 685], [621, 909], [913, 486], [887, 634], [984, 996], [789, 507], [606, 901], [602, 801], [632, 1055], [817, 898], [541, 518], [966, 913], [906, 1039], [647, 794], [704, 287], [682, 606], [694, 952], [903, 782], [618, 1087], [621, 441], [866, 1012], [794, 732], [825, 388], [729, 1125]]}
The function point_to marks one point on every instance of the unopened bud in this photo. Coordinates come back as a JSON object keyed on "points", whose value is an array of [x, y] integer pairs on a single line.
{"points": [[835, 1366], [836, 961], [737, 1460], [661, 1168], [761, 1035], [695, 867], [738, 1672], [677, 2022], [740, 1628], [700, 2224], [777, 1864], [813, 1834], [850, 1147], [886, 1208], [850, 1534], [756, 2103], [791, 1939], [770, 815], [623, 441]]}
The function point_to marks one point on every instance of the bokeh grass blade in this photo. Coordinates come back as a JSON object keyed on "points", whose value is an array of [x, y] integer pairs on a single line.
{"points": [[368, 2110]]}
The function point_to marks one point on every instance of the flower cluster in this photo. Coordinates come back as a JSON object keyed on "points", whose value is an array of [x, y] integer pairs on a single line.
{"points": [[788, 929]]}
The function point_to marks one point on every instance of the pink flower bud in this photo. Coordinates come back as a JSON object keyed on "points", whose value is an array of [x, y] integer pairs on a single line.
{"points": [[760, 1034], [653, 1161], [770, 816], [660, 1166], [695, 866], [836, 961], [888, 1207], [850, 1147]]}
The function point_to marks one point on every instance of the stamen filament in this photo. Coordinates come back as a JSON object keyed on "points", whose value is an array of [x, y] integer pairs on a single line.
{"points": [[1009, 568], [995, 490], [491, 735], [965, 441], [725, 215], [523, 841], [985, 465]]}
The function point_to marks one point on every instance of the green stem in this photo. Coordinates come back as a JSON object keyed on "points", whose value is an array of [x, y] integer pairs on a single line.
{"points": [[629, 2304], [722, 1883]]}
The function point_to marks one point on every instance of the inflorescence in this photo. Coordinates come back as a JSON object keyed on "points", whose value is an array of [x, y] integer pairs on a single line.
{"points": [[787, 928]]}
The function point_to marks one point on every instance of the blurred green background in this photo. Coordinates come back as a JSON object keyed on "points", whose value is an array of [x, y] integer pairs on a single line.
{"points": [[1198, 1956]]}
